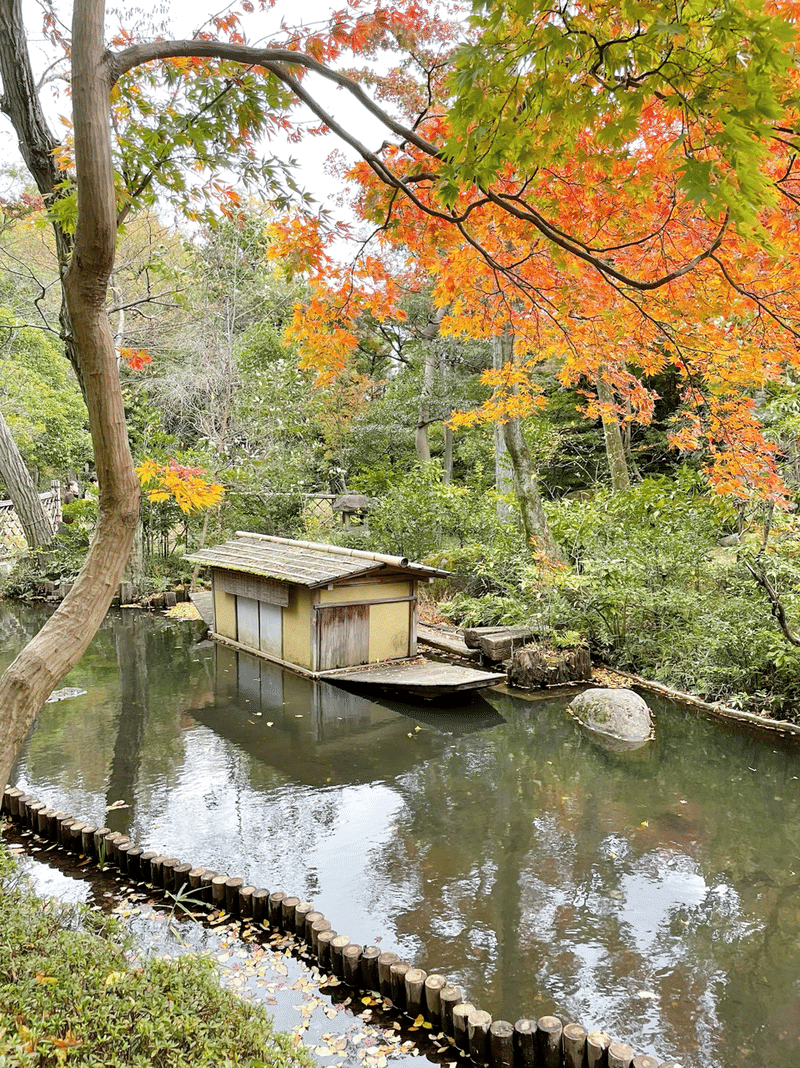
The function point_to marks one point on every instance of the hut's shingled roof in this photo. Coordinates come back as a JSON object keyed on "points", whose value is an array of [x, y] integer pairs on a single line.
{"points": [[304, 563]]}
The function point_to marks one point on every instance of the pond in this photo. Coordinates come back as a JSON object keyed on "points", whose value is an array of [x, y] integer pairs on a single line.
{"points": [[653, 894]]}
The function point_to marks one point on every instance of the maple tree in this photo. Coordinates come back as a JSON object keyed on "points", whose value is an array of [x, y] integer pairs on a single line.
{"points": [[614, 143], [184, 485]]}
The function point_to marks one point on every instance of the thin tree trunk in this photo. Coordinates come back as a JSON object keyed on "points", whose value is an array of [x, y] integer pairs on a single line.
{"points": [[503, 471], [526, 487], [19, 485], [429, 336], [526, 484], [612, 433], [63, 639], [447, 468]]}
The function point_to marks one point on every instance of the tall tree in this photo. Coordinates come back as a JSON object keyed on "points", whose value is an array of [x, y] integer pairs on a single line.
{"points": [[19, 485]]}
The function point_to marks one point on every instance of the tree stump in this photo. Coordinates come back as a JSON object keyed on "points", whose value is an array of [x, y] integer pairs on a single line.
{"points": [[541, 665]]}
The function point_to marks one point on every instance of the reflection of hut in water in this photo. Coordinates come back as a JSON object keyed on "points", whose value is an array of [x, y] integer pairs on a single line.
{"points": [[314, 607], [313, 732]]}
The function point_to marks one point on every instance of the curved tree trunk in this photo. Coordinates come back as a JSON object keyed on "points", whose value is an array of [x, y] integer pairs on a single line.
{"points": [[19, 485], [526, 484], [526, 487], [612, 433], [64, 638]]}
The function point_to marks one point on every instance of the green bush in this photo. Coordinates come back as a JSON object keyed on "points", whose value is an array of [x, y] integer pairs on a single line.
{"points": [[421, 514], [69, 994]]}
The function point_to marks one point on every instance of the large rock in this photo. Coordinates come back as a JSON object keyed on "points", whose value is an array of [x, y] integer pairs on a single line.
{"points": [[618, 714]]}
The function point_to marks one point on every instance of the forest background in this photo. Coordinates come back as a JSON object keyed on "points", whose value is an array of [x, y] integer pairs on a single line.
{"points": [[586, 459]]}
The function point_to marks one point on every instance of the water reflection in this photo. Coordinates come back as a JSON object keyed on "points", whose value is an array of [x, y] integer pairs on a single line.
{"points": [[655, 895]]}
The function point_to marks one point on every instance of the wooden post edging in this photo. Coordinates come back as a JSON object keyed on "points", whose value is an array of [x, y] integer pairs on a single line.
{"points": [[544, 1043]]}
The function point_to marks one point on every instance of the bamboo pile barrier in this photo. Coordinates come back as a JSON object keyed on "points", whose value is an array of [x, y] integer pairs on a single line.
{"points": [[546, 1042]]}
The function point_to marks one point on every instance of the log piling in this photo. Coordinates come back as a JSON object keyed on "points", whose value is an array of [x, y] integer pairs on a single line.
{"points": [[620, 1055], [543, 1043], [548, 1042], [385, 962], [369, 965], [434, 985], [397, 976], [260, 905], [573, 1039], [449, 997], [351, 959], [461, 1013], [415, 991], [501, 1044], [478, 1024]]}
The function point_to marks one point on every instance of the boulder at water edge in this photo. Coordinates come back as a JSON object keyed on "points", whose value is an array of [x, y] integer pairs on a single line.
{"points": [[618, 714]]}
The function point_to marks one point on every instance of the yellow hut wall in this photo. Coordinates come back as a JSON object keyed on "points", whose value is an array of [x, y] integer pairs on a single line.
{"points": [[361, 592], [297, 624], [388, 631], [224, 614]]}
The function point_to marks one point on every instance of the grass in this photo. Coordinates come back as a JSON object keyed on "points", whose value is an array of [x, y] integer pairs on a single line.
{"points": [[70, 993]]}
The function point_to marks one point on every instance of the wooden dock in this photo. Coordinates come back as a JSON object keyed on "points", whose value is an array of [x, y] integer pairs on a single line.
{"points": [[418, 677]]}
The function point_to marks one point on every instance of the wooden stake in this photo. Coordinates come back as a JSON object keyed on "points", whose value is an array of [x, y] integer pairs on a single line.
{"points": [[351, 960], [218, 891], [317, 927], [461, 1013], [369, 968], [260, 905], [301, 910], [385, 962], [620, 1055], [548, 1042], [246, 902], [232, 889], [597, 1043], [449, 997], [397, 979], [524, 1043], [338, 945], [415, 991], [206, 880], [324, 939], [501, 1044], [275, 907], [434, 985], [135, 862], [288, 905], [310, 919], [180, 875], [478, 1024], [574, 1043]]}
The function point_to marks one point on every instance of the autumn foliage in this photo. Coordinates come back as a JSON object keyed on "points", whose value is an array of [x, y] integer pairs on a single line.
{"points": [[618, 204], [183, 485]]}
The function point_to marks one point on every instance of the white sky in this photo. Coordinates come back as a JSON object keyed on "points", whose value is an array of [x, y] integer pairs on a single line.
{"points": [[182, 18]]}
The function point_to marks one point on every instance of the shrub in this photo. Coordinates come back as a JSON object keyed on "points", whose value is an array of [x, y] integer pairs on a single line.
{"points": [[68, 993]]}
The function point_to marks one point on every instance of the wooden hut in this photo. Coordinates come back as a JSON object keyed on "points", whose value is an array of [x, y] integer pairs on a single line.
{"points": [[315, 608]]}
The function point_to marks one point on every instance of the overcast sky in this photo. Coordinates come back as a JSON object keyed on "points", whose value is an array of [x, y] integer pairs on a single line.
{"points": [[181, 18]]}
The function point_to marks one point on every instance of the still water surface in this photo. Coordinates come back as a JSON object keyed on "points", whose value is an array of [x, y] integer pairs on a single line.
{"points": [[655, 895]]}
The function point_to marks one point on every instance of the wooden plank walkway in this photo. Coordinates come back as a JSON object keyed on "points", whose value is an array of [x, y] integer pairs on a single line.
{"points": [[203, 600], [448, 641], [420, 677]]}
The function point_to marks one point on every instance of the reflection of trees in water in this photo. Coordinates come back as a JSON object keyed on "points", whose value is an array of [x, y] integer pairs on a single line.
{"points": [[18, 624], [130, 635], [576, 880]]}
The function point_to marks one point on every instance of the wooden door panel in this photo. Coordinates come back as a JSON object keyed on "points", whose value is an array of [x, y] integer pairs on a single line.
{"points": [[343, 636]]}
